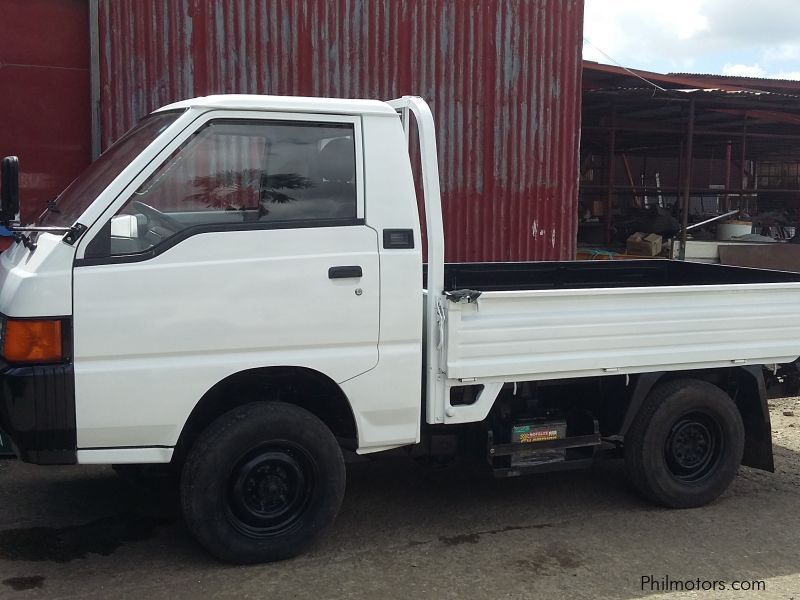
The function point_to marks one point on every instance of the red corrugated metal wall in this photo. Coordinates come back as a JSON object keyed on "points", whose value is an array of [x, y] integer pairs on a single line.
{"points": [[502, 76], [44, 95]]}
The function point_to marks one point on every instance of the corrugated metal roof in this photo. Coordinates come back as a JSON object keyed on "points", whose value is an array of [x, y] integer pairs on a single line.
{"points": [[598, 75], [751, 95], [503, 79], [738, 78]]}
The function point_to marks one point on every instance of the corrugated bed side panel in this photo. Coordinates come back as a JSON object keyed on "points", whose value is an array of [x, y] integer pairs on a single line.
{"points": [[580, 332], [503, 79]]}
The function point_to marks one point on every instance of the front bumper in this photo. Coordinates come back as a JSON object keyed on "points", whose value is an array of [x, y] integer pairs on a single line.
{"points": [[37, 412]]}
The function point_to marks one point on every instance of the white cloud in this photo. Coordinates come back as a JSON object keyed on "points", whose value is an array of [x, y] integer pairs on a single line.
{"points": [[757, 70], [743, 70], [790, 52], [793, 75], [642, 28], [711, 36]]}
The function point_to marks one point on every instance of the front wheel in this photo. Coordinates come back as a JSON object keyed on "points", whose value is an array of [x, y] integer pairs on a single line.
{"points": [[685, 444], [261, 482]]}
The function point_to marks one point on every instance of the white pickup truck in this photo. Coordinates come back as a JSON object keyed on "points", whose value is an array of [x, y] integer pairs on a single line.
{"points": [[236, 289]]}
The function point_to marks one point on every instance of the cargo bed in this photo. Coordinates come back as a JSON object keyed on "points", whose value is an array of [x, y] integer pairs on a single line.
{"points": [[537, 321]]}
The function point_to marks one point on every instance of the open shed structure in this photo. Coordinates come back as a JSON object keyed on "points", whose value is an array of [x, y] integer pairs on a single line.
{"points": [[669, 151]]}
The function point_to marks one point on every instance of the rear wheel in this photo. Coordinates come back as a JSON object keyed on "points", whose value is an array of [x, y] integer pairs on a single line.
{"points": [[261, 482], [685, 445]]}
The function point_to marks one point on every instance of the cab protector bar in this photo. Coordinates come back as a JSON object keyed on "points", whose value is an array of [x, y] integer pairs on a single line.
{"points": [[434, 377]]}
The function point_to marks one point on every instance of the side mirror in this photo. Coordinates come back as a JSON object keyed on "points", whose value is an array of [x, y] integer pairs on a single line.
{"points": [[9, 192], [125, 226]]}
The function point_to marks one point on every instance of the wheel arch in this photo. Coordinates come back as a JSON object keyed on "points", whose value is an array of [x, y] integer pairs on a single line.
{"points": [[300, 386], [747, 388]]}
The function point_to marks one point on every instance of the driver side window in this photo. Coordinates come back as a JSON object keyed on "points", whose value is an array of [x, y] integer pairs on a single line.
{"points": [[233, 175]]}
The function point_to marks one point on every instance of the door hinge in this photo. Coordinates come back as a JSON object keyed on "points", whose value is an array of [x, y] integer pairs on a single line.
{"points": [[74, 234]]}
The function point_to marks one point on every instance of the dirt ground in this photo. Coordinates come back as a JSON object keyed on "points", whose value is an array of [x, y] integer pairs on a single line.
{"points": [[412, 531]]}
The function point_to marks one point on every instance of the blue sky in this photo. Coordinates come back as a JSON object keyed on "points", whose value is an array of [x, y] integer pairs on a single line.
{"points": [[754, 38]]}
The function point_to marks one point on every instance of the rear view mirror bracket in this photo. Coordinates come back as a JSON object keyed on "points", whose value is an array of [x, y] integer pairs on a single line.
{"points": [[9, 190], [9, 207]]}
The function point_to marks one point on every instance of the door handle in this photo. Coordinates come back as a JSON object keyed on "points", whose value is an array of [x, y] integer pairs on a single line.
{"points": [[349, 272]]}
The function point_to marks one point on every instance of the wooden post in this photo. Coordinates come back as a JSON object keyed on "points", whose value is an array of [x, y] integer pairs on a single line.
{"points": [[612, 148], [687, 182], [743, 180], [728, 159]]}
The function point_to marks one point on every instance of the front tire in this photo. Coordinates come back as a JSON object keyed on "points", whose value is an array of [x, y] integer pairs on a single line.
{"points": [[261, 482], [685, 445]]}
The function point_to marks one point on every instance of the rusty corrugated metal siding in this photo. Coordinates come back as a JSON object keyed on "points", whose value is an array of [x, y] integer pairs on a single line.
{"points": [[502, 76], [44, 95]]}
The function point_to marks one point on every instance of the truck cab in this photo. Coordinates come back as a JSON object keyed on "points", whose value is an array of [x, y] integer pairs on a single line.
{"points": [[222, 235]]}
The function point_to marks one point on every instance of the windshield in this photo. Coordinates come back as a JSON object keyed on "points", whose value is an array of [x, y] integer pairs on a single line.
{"points": [[73, 201]]}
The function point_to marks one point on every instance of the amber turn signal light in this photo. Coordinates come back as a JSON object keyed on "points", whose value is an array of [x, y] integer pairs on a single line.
{"points": [[32, 341]]}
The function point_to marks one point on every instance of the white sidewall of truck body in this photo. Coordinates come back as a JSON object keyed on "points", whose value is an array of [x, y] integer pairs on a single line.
{"points": [[152, 337]]}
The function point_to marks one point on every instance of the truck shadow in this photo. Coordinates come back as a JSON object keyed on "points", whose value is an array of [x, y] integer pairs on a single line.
{"points": [[417, 521]]}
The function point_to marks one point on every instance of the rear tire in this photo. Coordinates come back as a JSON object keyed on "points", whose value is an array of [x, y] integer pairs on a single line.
{"points": [[261, 482], [685, 445]]}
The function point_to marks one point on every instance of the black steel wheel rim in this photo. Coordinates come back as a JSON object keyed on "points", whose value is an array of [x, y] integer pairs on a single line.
{"points": [[270, 489], [694, 447]]}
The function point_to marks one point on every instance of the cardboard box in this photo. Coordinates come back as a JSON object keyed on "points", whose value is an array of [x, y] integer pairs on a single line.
{"points": [[644, 244], [599, 208]]}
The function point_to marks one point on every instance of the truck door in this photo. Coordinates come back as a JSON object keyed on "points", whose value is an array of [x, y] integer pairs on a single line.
{"points": [[243, 245]]}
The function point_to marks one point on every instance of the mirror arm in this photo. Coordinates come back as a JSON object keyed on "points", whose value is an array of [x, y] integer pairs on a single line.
{"points": [[42, 229], [71, 234]]}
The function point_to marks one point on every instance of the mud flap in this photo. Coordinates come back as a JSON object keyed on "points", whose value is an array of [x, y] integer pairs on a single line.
{"points": [[752, 402]]}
